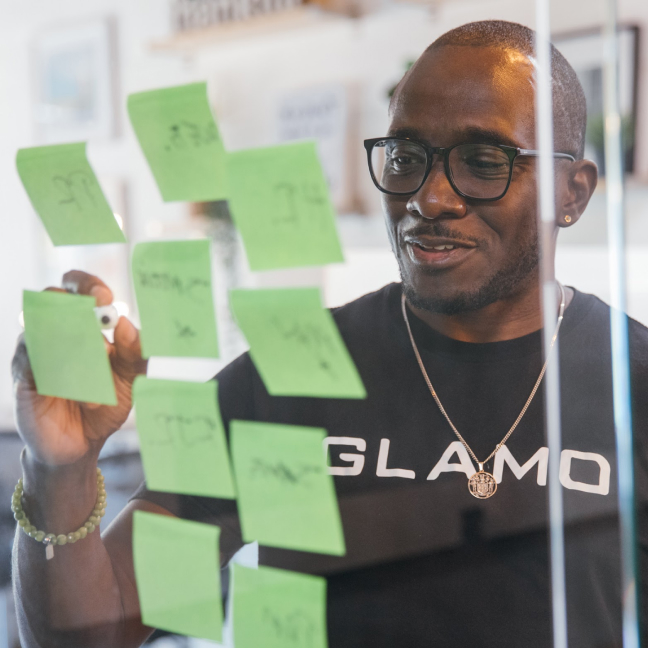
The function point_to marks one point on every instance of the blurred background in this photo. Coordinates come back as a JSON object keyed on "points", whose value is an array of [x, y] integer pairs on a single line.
{"points": [[277, 70]]}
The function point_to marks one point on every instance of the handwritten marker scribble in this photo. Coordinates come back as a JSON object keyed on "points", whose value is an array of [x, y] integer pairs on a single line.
{"points": [[184, 330], [68, 186], [296, 629], [187, 133], [166, 281], [297, 475], [187, 431], [311, 337]]}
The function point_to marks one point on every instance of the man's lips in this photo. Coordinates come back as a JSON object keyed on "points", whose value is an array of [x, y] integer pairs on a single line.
{"points": [[438, 242], [438, 252]]}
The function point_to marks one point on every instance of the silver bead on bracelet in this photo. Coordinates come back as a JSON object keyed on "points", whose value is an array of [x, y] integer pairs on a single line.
{"points": [[50, 539]]}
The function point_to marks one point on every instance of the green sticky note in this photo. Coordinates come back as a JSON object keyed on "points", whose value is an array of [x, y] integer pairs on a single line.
{"points": [[173, 287], [182, 440], [286, 495], [177, 570], [295, 343], [66, 348], [177, 132], [274, 608], [280, 203], [64, 192]]}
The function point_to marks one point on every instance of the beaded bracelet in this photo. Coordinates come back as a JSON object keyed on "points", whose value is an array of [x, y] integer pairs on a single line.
{"points": [[50, 539]]}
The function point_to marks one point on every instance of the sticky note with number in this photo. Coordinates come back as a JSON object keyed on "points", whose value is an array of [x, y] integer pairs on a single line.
{"points": [[180, 140], [66, 349], [173, 288], [275, 608], [182, 440], [295, 343], [286, 496], [280, 203], [66, 195], [177, 570]]}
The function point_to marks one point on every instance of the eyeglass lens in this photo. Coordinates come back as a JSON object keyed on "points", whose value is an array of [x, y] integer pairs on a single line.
{"points": [[478, 170]]}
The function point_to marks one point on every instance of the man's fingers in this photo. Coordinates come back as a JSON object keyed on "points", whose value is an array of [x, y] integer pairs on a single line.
{"points": [[20, 366], [82, 283], [128, 347], [90, 406]]}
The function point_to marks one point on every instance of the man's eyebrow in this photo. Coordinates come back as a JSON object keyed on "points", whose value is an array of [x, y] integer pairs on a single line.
{"points": [[410, 133], [480, 135], [471, 134]]}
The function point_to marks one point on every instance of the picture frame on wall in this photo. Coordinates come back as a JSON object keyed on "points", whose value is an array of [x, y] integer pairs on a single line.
{"points": [[74, 82], [325, 114], [584, 50]]}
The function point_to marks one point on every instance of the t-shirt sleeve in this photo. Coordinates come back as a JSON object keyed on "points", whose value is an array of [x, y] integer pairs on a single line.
{"points": [[236, 386]]}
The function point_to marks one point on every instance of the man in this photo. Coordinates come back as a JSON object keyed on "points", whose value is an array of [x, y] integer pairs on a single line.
{"points": [[427, 563]]}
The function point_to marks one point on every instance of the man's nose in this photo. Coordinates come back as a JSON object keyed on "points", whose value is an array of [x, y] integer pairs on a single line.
{"points": [[437, 198]]}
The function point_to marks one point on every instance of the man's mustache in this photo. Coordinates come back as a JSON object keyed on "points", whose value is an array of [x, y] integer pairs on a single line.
{"points": [[442, 231]]}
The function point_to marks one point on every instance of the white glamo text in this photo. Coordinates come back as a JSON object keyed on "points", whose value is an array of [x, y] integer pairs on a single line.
{"points": [[461, 462]]}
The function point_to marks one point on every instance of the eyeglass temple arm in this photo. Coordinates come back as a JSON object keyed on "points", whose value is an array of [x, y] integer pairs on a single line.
{"points": [[533, 153]]}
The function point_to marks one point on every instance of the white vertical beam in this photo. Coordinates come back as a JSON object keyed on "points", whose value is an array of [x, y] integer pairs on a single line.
{"points": [[619, 325], [4, 625], [546, 226]]}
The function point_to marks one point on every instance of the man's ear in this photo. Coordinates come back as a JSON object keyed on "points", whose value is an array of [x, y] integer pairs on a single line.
{"points": [[575, 186]]}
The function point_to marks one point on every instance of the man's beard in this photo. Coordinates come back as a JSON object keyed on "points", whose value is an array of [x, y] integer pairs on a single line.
{"points": [[507, 281]]}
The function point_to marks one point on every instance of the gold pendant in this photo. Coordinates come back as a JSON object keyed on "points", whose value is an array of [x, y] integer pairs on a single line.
{"points": [[482, 485]]}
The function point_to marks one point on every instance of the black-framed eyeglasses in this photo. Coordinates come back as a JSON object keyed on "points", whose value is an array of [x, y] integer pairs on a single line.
{"points": [[400, 166]]}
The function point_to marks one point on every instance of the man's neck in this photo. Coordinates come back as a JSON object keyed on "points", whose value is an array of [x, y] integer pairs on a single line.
{"points": [[503, 320]]}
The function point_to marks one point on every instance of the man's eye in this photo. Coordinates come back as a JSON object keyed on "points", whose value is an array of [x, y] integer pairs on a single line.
{"points": [[486, 164], [402, 160]]}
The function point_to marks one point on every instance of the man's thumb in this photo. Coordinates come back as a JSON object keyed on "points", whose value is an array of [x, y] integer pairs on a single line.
{"points": [[127, 345]]}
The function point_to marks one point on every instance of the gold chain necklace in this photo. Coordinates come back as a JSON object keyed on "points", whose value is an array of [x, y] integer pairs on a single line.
{"points": [[482, 484]]}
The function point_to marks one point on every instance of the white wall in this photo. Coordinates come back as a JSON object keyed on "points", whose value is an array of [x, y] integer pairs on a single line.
{"points": [[246, 77], [27, 260]]}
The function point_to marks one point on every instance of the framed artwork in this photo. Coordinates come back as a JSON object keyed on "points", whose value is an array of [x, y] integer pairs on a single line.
{"points": [[74, 83], [323, 114], [584, 50]]}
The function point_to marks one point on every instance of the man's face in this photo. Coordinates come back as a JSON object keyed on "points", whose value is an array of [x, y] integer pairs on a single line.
{"points": [[457, 95]]}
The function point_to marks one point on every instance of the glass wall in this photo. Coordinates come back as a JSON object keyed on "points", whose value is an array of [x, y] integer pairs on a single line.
{"points": [[454, 453]]}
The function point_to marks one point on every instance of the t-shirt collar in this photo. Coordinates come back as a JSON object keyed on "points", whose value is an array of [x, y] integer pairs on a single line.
{"points": [[430, 340]]}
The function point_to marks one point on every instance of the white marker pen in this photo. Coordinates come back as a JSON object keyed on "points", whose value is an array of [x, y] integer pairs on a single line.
{"points": [[107, 316]]}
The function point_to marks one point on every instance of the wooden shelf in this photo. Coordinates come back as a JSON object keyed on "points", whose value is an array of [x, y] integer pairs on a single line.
{"points": [[298, 18]]}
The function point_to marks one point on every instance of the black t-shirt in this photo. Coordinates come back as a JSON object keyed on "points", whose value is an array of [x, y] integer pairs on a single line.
{"points": [[427, 564]]}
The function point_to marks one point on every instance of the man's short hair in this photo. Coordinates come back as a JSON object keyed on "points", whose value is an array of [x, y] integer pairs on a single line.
{"points": [[569, 105]]}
